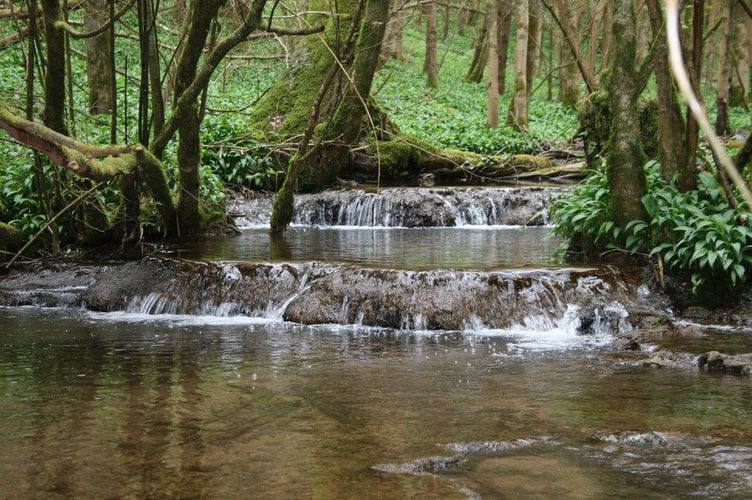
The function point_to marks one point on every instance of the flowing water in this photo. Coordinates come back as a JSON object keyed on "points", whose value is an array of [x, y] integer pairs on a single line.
{"points": [[398, 248], [103, 405], [133, 405]]}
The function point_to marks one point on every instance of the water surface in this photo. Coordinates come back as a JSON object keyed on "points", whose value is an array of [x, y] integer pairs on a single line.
{"points": [[96, 406], [479, 247]]}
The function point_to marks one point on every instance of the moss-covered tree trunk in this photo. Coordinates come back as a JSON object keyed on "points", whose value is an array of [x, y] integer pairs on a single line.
{"points": [[285, 111], [11, 238], [98, 62], [54, 81], [96, 163], [189, 146], [625, 158]]}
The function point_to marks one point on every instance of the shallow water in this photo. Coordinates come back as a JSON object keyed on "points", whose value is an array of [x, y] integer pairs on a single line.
{"points": [[122, 405], [479, 247]]}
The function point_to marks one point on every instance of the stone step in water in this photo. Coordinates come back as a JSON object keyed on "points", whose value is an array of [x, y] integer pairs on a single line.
{"points": [[409, 207]]}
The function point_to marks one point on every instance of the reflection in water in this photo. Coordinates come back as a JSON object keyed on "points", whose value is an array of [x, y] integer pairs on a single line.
{"points": [[433, 248], [111, 406]]}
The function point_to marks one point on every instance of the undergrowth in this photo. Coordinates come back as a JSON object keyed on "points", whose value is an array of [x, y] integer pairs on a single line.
{"points": [[696, 236]]}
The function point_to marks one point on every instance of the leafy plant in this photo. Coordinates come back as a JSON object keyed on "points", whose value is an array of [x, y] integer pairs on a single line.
{"points": [[238, 166], [696, 234], [584, 216]]}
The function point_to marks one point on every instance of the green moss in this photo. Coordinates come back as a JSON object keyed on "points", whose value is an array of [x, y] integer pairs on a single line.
{"points": [[531, 162], [396, 157], [285, 110], [11, 238], [283, 209], [594, 115]]}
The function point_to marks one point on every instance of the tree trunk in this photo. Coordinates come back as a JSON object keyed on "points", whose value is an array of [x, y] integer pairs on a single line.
{"points": [[189, 145], [722, 98], [54, 81], [285, 110], [98, 62], [569, 76], [597, 28], [505, 9], [625, 158], [346, 124], [493, 65], [519, 105], [534, 48], [431, 63], [394, 36], [480, 54], [740, 50], [562, 15], [688, 179], [671, 126]]}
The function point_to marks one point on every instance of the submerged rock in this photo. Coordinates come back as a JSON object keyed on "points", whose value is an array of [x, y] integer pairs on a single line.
{"points": [[422, 465], [714, 361], [670, 359]]}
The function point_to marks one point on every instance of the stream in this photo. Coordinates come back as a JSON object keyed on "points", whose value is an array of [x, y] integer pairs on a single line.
{"points": [[193, 401]]}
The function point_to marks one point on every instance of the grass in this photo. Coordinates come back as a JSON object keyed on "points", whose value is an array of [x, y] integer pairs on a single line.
{"points": [[454, 114]]}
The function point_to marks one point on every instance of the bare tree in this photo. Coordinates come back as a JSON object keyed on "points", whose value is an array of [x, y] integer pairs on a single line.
{"points": [[431, 63], [493, 65], [519, 105]]}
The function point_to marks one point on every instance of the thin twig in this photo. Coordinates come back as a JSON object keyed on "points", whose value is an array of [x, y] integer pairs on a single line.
{"points": [[54, 219]]}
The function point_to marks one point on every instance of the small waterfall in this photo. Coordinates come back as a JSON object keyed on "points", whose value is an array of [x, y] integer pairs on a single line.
{"points": [[552, 306], [410, 207]]}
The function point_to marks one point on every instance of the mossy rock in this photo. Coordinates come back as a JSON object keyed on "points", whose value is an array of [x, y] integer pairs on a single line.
{"points": [[11, 238]]}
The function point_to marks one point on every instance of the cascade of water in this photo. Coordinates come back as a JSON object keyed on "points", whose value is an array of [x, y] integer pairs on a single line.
{"points": [[277, 312], [410, 207]]}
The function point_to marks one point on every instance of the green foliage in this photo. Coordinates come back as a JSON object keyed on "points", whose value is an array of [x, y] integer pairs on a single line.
{"points": [[234, 158], [696, 234], [585, 214], [454, 115], [22, 202]]}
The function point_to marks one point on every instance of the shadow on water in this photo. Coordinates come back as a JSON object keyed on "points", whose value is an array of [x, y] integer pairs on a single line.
{"points": [[99, 405]]}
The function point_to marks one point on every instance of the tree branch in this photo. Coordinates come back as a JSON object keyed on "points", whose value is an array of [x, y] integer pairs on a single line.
{"points": [[98, 31], [98, 163], [569, 35]]}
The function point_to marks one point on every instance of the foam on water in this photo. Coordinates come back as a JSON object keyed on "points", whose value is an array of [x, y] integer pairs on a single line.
{"points": [[541, 333], [178, 319]]}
